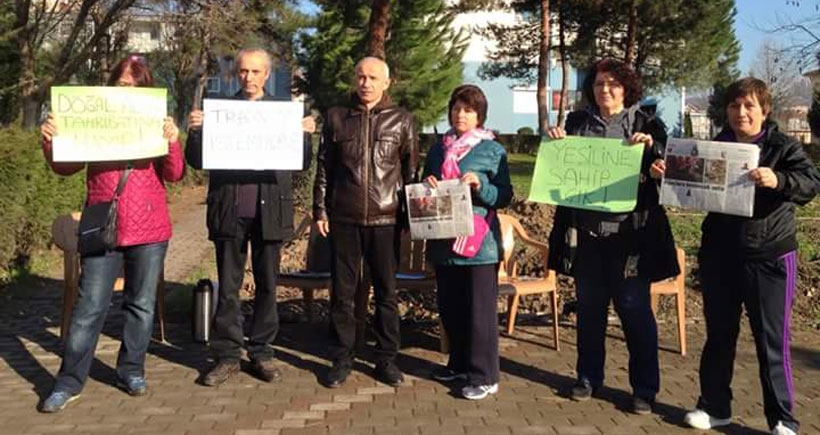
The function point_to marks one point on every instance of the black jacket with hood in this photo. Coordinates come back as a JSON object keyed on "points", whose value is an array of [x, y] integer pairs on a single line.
{"points": [[275, 191], [772, 229], [648, 234]]}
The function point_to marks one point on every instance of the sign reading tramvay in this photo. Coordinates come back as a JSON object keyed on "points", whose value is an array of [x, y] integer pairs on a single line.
{"points": [[257, 135], [103, 123], [588, 173], [710, 176]]}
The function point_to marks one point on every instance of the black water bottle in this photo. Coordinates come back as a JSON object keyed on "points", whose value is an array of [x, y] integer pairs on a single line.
{"points": [[202, 315]]}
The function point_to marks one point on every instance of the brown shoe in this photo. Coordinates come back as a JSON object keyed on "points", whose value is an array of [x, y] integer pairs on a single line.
{"points": [[265, 369], [221, 373]]}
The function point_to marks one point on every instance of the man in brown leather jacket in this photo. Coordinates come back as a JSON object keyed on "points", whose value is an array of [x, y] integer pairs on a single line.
{"points": [[368, 153]]}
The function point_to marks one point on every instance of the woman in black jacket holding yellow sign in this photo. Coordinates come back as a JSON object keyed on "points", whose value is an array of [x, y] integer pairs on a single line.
{"points": [[615, 256]]}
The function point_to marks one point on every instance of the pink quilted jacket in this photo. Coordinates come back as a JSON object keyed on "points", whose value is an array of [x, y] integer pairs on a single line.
{"points": [[142, 213]]}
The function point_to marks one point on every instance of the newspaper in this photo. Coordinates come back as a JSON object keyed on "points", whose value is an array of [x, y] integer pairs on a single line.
{"points": [[444, 212], [710, 176]]}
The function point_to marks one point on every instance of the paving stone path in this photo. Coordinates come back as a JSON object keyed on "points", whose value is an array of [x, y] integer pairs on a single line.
{"points": [[530, 400]]}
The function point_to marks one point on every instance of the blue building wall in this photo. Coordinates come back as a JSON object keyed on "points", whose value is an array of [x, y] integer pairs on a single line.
{"points": [[501, 115]]}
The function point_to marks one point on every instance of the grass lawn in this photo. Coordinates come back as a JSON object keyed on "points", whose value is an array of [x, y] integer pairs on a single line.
{"points": [[521, 167]]}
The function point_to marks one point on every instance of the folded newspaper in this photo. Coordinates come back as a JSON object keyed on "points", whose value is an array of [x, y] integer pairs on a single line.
{"points": [[444, 212], [710, 176]]}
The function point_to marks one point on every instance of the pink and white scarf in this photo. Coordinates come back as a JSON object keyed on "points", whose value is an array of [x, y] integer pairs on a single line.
{"points": [[455, 148]]}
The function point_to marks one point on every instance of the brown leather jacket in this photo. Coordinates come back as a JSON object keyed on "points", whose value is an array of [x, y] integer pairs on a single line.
{"points": [[365, 158]]}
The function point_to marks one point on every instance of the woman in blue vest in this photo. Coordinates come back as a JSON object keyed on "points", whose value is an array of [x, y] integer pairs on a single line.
{"points": [[467, 267]]}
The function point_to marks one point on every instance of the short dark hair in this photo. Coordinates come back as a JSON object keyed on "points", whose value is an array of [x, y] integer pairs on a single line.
{"points": [[622, 73], [139, 71], [472, 97], [746, 87]]}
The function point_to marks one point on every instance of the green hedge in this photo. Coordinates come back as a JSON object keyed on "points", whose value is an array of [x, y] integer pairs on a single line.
{"points": [[31, 197], [513, 143]]}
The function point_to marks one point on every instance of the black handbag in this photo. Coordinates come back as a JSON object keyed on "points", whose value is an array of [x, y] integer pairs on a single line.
{"points": [[98, 223]]}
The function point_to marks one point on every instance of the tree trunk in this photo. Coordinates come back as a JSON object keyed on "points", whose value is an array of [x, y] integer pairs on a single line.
{"points": [[562, 48], [30, 108], [631, 34], [543, 68], [379, 15]]}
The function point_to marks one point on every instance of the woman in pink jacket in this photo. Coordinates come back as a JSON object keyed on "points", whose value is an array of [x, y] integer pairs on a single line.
{"points": [[143, 231]]}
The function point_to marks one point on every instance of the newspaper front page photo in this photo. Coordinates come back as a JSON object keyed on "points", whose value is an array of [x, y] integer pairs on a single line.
{"points": [[710, 176], [444, 212]]}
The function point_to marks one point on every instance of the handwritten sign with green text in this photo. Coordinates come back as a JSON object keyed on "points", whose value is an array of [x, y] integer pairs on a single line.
{"points": [[108, 123], [589, 173]]}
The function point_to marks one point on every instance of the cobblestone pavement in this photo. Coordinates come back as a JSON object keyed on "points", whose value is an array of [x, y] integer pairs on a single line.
{"points": [[530, 401]]}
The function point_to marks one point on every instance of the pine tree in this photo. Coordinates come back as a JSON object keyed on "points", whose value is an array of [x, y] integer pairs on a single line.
{"points": [[814, 115], [673, 42], [423, 52], [424, 55]]}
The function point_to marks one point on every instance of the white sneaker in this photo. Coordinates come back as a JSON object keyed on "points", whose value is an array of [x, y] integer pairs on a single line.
{"points": [[781, 429], [699, 419], [478, 392]]}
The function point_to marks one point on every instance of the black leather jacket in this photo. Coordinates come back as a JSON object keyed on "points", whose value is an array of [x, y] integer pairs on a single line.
{"points": [[365, 158]]}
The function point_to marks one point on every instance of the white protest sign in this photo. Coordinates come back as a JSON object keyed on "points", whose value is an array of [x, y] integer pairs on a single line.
{"points": [[256, 135]]}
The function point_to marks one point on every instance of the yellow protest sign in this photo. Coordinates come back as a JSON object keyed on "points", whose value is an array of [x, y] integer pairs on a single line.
{"points": [[589, 173], [104, 123]]}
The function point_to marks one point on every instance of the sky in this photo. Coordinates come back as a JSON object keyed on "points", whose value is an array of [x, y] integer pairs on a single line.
{"points": [[755, 15]]}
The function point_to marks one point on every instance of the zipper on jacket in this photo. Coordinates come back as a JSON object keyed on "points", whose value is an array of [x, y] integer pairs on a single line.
{"points": [[366, 135]]}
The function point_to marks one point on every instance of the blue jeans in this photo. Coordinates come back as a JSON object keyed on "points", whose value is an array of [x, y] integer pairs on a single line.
{"points": [[143, 266]]}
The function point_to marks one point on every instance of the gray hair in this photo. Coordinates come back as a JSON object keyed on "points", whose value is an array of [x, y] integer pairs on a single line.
{"points": [[373, 58], [261, 51]]}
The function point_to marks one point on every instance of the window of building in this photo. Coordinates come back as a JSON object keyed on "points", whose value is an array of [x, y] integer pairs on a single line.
{"points": [[212, 85], [525, 100]]}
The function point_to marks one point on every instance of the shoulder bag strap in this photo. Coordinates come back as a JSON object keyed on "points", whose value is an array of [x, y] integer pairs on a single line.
{"points": [[123, 179]]}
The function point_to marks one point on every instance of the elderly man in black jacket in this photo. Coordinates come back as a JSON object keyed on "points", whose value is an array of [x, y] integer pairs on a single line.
{"points": [[368, 153], [246, 206]]}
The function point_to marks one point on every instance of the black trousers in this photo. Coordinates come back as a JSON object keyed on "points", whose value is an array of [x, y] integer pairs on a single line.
{"points": [[376, 245], [228, 336], [467, 303], [766, 288], [599, 278]]}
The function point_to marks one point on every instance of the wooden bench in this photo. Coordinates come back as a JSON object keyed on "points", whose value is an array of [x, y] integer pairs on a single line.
{"points": [[316, 273], [413, 274], [64, 234]]}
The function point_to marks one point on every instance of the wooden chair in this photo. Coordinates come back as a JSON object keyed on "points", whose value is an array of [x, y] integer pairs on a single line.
{"points": [[677, 287], [514, 286], [316, 274], [64, 234], [413, 274]]}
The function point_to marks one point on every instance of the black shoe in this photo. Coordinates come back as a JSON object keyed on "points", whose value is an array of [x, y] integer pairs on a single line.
{"points": [[221, 373], [642, 406], [387, 372], [337, 375], [581, 391], [446, 374], [265, 369]]}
